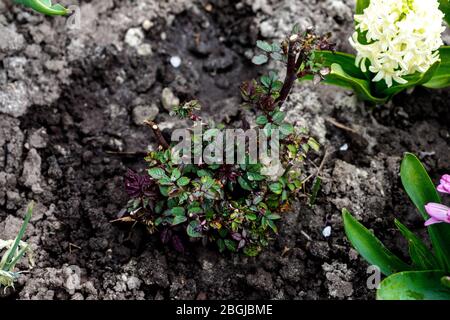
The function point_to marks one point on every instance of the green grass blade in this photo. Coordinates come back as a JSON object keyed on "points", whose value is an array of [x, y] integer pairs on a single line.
{"points": [[19, 237], [315, 191]]}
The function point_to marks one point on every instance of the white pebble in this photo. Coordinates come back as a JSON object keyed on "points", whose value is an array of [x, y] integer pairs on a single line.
{"points": [[344, 147], [326, 232], [144, 49], [147, 24], [175, 61], [134, 37]]}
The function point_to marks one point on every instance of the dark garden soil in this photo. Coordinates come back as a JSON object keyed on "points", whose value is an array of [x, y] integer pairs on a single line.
{"points": [[76, 100]]}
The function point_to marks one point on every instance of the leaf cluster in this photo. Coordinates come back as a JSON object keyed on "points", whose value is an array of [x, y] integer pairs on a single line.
{"points": [[427, 276]]}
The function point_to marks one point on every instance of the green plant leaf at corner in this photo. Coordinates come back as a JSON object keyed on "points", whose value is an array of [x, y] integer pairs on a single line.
{"points": [[421, 190], [444, 5], [370, 247], [44, 7], [192, 230], [414, 285], [441, 77], [244, 184], [178, 220], [276, 188], [446, 281], [361, 5]]}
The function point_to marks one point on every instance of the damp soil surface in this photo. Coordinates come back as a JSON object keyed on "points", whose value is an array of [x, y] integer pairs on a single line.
{"points": [[71, 106]]}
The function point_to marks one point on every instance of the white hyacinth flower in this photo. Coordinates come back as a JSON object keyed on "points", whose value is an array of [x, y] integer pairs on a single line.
{"points": [[403, 37]]}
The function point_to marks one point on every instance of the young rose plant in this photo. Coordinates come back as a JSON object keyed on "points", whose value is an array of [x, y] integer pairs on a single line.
{"points": [[235, 205], [428, 277], [398, 45]]}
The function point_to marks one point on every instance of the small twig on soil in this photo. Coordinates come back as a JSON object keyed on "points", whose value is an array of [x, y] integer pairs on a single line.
{"points": [[319, 170], [157, 132], [340, 125], [71, 245], [306, 235], [123, 219], [285, 251]]}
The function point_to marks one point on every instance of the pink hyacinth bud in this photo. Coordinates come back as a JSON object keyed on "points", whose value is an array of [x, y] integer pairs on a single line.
{"points": [[438, 213], [444, 186]]}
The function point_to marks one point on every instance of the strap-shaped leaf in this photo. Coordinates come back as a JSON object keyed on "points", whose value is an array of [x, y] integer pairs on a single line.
{"points": [[361, 87], [361, 5], [45, 7], [345, 60], [421, 190], [414, 80], [445, 8], [414, 285], [446, 281], [441, 78], [370, 247], [421, 255]]}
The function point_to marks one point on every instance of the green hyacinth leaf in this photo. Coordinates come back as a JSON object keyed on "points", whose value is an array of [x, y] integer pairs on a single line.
{"points": [[414, 80], [445, 8], [346, 61], [441, 78], [414, 285], [361, 5], [368, 246], [362, 87], [420, 254], [344, 73], [421, 191]]}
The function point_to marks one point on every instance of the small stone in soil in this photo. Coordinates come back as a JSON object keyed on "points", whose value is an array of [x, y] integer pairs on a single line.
{"points": [[14, 99], [10, 40], [144, 50], [31, 175], [134, 37], [344, 147], [142, 113], [168, 99], [147, 24], [175, 61], [326, 231], [38, 139]]}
